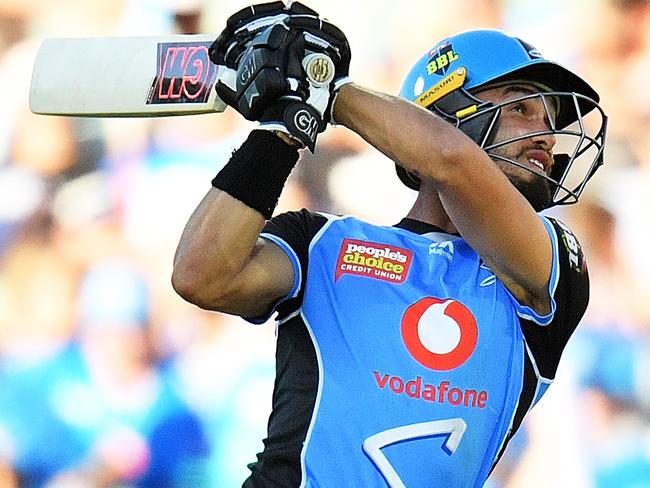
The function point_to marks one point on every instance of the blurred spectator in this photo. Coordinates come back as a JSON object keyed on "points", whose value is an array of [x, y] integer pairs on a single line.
{"points": [[610, 353], [36, 332], [137, 430]]}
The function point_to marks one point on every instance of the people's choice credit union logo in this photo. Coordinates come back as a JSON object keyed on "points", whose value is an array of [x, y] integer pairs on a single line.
{"points": [[440, 334], [379, 261]]}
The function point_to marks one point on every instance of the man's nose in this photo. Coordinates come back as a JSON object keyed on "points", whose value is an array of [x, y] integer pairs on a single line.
{"points": [[546, 139]]}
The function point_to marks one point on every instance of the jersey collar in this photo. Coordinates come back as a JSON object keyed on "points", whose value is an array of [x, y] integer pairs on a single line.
{"points": [[422, 228]]}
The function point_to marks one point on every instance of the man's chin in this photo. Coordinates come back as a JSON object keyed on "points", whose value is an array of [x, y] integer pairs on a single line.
{"points": [[536, 189]]}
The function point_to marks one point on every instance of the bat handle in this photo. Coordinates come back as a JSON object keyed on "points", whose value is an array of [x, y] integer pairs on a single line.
{"points": [[319, 68]]}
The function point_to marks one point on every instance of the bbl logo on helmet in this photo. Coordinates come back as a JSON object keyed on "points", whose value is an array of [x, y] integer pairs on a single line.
{"points": [[440, 57]]}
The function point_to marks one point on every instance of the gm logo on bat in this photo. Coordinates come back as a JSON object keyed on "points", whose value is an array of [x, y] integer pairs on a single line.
{"points": [[184, 73]]}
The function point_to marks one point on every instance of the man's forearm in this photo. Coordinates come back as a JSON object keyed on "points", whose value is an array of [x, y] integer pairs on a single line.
{"points": [[220, 238]]}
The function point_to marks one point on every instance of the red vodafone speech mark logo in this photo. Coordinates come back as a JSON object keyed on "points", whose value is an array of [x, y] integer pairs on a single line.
{"points": [[439, 334]]}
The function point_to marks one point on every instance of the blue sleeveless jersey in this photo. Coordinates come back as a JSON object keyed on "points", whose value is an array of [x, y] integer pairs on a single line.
{"points": [[419, 358]]}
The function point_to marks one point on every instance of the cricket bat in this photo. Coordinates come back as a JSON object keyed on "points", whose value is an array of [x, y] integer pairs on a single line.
{"points": [[125, 77], [136, 76]]}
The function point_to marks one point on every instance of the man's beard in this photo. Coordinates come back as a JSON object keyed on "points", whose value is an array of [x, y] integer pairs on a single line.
{"points": [[537, 190]]}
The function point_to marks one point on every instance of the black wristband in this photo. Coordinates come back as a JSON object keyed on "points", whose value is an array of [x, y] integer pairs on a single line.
{"points": [[257, 171]]}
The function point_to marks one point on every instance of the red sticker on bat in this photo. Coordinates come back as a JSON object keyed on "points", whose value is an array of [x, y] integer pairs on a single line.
{"points": [[185, 73]]}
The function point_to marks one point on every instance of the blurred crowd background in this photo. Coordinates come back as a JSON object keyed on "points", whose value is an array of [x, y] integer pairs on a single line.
{"points": [[107, 378]]}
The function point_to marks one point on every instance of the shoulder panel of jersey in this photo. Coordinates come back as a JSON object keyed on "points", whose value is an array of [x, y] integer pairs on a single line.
{"points": [[544, 345], [293, 232], [571, 296], [527, 313]]}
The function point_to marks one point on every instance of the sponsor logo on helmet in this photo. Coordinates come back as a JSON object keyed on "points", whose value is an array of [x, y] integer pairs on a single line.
{"points": [[378, 261], [437, 49], [440, 58], [449, 83]]}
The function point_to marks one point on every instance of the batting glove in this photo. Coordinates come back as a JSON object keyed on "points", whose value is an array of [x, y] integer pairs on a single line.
{"points": [[274, 68]]}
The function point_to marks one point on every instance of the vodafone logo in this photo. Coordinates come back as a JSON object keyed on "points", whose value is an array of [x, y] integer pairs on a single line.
{"points": [[439, 334]]}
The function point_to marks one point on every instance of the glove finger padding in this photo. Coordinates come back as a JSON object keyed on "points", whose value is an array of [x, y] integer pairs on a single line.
{"points": [[261, 10], [324, 37], [245, 24], [261, 54], [269, 68]]}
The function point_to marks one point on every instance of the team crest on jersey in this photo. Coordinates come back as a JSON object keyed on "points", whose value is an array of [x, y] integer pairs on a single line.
{"points": [[374, 260]]}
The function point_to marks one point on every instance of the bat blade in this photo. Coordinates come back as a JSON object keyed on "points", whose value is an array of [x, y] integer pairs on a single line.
{"points": [[124, 77]]}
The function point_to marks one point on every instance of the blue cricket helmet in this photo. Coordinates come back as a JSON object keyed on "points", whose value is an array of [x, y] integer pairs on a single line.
{"points": [[445, 79]]}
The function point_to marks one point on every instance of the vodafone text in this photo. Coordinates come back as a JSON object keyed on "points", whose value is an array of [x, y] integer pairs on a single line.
{"points": [[442, 393]]}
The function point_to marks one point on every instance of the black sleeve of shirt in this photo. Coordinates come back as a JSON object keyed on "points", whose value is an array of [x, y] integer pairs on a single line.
{"points": [[571, 297], [297, 229]]}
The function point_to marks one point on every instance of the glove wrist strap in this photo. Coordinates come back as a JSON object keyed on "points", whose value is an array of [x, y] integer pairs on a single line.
{"points": [[257, 171], [298, 119], [335, 94]]}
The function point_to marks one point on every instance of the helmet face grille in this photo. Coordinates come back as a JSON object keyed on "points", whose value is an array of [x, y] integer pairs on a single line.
{"points": [[578, 150]]}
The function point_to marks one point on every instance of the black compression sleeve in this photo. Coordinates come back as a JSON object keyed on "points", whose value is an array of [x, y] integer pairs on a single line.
{"points": [[257, 171]]}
